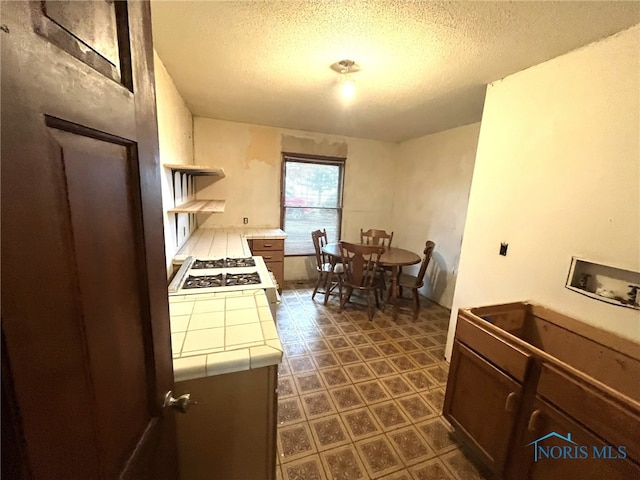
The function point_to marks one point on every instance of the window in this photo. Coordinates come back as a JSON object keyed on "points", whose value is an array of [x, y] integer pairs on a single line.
{"points": [[311, 200]]}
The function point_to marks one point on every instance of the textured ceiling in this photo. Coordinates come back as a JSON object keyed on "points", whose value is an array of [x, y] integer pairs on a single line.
{"points": [[424, 65]]}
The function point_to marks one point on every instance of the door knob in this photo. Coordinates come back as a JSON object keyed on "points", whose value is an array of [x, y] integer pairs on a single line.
{"points": [[182, 403]]}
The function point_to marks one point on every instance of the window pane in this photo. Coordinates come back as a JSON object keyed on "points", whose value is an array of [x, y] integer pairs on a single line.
{"points": [[300, 222], [312, 185]]}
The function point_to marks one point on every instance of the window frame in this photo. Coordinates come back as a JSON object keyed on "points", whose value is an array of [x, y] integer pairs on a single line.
{"points": [[317, 160]]}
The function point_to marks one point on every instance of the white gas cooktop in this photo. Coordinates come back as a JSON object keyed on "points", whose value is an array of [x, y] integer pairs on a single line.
{"points": [[212, 275]]}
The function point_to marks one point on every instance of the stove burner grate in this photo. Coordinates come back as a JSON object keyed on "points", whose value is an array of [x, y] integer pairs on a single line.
{"points": [[224, 262], [203, 281], [240, 262], [198, 264], [233, 279]]}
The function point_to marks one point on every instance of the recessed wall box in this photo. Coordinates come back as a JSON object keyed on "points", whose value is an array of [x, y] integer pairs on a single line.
{"points": [[614, 285]]}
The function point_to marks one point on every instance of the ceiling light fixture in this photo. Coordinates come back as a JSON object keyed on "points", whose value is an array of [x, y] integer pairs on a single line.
{"points": [[346, 68]]}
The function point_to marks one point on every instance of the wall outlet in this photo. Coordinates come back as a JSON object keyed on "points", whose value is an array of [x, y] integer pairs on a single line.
{"points": [[245, 220]]}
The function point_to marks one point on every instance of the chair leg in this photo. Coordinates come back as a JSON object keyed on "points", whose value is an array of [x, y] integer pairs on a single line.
{"points": [[344, 299], [416, 304], [370, 311], [382, 286], [315, 290]]}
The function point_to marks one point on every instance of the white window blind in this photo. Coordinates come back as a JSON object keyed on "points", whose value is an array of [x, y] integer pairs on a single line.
{"points": [[311, 200]]}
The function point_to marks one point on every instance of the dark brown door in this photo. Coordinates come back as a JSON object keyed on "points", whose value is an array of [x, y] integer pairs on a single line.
{"points": [[85, 327]]}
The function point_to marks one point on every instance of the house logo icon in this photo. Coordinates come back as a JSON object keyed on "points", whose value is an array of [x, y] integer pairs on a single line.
{"points": [[539, 449]]}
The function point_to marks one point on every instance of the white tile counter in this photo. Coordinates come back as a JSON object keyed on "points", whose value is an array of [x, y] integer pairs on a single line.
{"points": [[224, 242], [224, 332]]}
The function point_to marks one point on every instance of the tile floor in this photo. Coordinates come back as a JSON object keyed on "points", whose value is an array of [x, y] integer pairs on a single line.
{"points": [[360, 399]]}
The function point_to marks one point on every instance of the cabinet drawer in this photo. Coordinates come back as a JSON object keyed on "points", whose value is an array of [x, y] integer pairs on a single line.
{"points": [[590, 405], [505, 356], [267, 244], [270, 255]]}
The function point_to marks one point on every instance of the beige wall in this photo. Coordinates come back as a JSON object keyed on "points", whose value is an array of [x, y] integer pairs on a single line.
{"points": [[175, 133], [557, 174], [251, 158], [431, 195]]}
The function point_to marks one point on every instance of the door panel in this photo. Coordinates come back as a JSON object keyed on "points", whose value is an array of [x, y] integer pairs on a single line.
{"points": [[104, 213], [84, 303], [94, 32]]}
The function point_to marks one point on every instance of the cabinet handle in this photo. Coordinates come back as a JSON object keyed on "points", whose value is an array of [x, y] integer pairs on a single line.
{"points": [[267, 245], [533, 420], [267, 257], [508, 405]]}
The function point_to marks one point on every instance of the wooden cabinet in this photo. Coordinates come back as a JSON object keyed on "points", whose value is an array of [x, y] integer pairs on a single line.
{"points": [[272, 250], [482, 403], [523, 377], [231, 432]]}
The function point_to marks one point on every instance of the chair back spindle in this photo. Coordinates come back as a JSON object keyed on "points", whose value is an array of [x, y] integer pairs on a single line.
{"points": [[376, 237]]}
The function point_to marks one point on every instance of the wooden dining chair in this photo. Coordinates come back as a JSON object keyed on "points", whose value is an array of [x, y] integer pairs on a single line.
{"points": [[415, 282], [329, 275], [374, 236], [360, 263]]}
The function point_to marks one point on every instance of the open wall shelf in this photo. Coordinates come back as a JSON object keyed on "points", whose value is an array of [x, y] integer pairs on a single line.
{"points": [[604, 283], [200, 206], [196, 170], [185, 191]]}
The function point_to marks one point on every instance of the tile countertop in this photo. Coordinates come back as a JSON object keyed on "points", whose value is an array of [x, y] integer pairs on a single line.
{"points": [[217, 333], [224, 242]]}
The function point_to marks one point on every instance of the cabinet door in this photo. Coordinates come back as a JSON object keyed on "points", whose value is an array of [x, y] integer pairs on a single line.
{"points": [[230, 434], [481, 402], [555, 455]]}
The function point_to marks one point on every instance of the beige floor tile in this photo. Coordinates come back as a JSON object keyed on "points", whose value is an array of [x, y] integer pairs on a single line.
{"points": [[346, 398], [290, 411], [433, 469], [295, 441], [389, 415], [378, 456], [308, 382], [410, 445], [329, 432], [461, 466], [361, 423], [317, 404], [343, 463], [438, 434], [306, 468]]}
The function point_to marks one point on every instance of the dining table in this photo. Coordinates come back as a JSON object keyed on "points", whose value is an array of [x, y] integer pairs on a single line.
{"points": [[392, 257]]}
